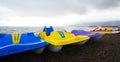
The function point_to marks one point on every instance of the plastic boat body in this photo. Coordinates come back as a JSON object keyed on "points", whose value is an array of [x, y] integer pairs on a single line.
{"points": [[19, 42], [105, 30], [82, 32], [60, 38]]}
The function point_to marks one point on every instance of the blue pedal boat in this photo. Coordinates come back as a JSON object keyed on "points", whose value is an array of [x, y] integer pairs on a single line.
{"points": [[20, 42]]}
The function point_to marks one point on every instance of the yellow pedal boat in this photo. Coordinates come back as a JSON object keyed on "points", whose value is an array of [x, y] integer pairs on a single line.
{"points": [[60, 38], [57, 39]]}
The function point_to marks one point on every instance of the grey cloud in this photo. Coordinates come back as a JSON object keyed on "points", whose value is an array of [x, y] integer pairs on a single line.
{"points": [[105, 4], [56, 7]]}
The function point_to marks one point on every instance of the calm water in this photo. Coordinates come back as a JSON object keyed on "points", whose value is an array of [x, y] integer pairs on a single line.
{"points": [[39, 29]]}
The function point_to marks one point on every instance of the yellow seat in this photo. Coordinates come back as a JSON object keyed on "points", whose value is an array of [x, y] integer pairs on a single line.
{"points": [[57, 38]]}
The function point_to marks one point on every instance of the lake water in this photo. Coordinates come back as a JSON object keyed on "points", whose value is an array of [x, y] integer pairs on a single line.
{"points": [[39, 29]]}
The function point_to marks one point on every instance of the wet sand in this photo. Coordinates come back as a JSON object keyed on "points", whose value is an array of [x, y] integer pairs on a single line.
{"points": [[106, 49]]}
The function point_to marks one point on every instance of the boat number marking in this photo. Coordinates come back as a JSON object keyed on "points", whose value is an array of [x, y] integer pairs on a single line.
{"points": [[61, 34], [16, 38]]}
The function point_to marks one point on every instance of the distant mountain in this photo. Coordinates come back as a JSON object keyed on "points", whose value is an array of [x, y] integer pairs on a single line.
{"points": [[106, 23]]}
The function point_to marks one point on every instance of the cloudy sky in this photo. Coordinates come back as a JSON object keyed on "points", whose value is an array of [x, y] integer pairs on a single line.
{"points": [[57, 12]]}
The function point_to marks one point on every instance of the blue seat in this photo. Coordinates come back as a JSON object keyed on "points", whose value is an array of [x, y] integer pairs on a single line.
{"points": [[48, 30]]}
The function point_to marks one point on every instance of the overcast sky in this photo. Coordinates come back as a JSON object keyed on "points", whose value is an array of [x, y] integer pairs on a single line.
{"points": [[57, 12]]}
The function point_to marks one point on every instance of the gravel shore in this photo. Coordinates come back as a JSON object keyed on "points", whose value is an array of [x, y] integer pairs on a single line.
{"points": [[106, 49]]}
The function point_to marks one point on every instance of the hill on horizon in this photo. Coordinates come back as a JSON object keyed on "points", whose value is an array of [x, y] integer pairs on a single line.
{"points": [[106, 23]]}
